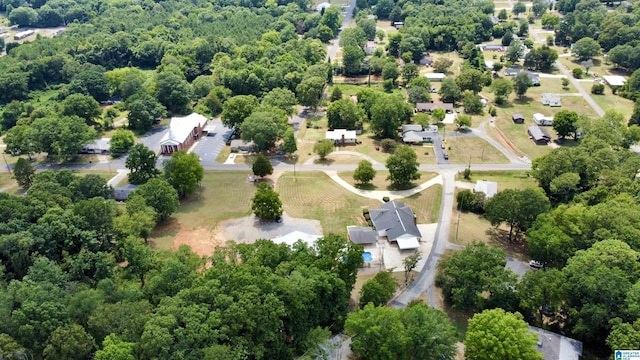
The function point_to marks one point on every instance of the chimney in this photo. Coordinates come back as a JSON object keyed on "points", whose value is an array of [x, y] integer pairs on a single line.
{"points": [[343, 142]]}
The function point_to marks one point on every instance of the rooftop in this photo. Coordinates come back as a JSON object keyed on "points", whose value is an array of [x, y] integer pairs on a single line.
{"points": [[397, 219], [489, 188], [181, 127], [338, 134], [362, 235], [555, 346], [614, 80]]}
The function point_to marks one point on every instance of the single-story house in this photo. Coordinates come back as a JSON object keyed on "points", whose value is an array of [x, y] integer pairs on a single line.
{"points": [[100, 146], [495, 20], [511, 72], [426, 60], [517, 118], [410, 127], [542, 120], [429, 107], [362, 235], [23, 34], [538, 135], [555, 346], [369, 47], [322, 6], [295, 236], [417, 137], [341, 136], [551, 99], [239, 145], [397, 24], [121, 193], [397, 222], [535, 78], [435, 76], [489, 188], [614, 80], [183, 132], [492, 47]]}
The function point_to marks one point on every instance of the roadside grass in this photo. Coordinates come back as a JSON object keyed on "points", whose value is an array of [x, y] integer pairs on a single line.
{"points": [[468, 149], [598, 67], [468, 227], [379, 181], [609, 101], [511, 179], [426, 204], [221, 196], [224, 154], [105, 174], [313, 195], [8, 184]]}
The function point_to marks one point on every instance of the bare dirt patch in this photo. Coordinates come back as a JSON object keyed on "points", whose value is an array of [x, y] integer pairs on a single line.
{"points": [[202, 241]]}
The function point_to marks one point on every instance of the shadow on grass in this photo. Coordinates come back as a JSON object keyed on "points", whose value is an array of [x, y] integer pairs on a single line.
{"points": [[515, 247], [323, 161]]}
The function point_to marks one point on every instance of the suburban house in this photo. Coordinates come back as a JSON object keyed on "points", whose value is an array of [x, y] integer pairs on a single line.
{"points": [[369, 47], [493, 47], [362, 235], [511, 72], [552, 100], [183, 132], [489, 188], [23, 34], [435, 76], [415, 134], [614, 80], [239, 145], [426, 60], [341, 136], [539, 135], [517, 118], [535, 78], [100, 146], [542, 120], [397, 222], [121, 193], [429, 107], [555, 346], [295, 236]]}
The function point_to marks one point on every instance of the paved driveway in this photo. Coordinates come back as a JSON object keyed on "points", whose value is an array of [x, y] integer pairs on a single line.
{"points": [[153, 137], [517, 266], [208, 147]]}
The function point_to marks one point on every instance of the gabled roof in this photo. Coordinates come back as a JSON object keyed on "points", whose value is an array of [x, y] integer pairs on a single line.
{"points": [[555, 346], [517, 116], [614, 80], [411, 127], [362, 235], [181, 127], [489, 188], [538, 133], [396, 218]]}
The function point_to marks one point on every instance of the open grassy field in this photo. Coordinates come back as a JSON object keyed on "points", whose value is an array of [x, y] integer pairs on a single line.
{"points": [[599, 67], [609, 101], [313, 195], [426, 204], [505, 179], [380, 182], [463, 150], [468, 227], [105, 174], [223, 195], [8, 184]]}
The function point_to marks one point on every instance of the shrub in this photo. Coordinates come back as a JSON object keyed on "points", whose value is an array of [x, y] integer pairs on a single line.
{"points": [[386, 199], [388, 145], [577, 73], [597, 89]]}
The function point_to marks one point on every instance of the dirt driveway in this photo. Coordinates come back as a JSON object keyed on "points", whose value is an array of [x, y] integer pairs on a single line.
{"points": [[249, 228]]}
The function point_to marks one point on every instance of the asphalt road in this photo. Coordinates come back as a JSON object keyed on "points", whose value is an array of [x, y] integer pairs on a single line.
{"points": [[335, 45]]}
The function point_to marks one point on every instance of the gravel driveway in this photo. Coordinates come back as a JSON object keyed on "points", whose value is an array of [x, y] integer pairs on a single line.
{"points": [[249, 228]]}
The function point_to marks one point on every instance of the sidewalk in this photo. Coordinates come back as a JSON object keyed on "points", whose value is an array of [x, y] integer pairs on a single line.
{"points": [[122, 174]]}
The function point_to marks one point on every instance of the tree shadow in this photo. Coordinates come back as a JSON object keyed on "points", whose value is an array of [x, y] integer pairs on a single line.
{"points": [[500, 237], [325, 161]]}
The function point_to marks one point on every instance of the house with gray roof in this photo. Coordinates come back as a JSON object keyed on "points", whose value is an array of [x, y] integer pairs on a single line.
{"points": [[415, 134], [99, 146], [538, 135], [397, 222], [549, 99], [555, 346], [362, 235]]}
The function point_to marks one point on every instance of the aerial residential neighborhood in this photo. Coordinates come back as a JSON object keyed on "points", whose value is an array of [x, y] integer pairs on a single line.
{"points": [[319, 180]]}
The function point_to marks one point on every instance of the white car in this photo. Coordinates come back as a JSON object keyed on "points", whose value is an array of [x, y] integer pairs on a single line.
{"points": [[536, 264]]}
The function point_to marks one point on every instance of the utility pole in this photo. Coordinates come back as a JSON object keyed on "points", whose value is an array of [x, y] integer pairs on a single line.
{"points": [[6, 163]]}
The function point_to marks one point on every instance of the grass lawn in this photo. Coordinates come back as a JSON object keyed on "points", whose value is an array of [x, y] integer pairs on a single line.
{"points": [[8, 184], [426, 204], [609, 101], [505, 179], [467, 227], [598, 67], [105, 174], [313, 195], [380, 182], [223, 195], [463, 150], [363, 278]]}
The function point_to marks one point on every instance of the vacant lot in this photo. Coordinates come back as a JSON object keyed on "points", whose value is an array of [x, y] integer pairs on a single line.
{"points": [[313, 195], [505, 179], [609, 101], [380, 181], [469, 149], [223, 195]]}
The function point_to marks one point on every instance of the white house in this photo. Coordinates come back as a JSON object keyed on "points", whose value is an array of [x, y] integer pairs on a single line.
{"points": [[542, 120], [614, 80], [489, 188], [183, 132], [435, 76], [549, 99], [341, 136]]}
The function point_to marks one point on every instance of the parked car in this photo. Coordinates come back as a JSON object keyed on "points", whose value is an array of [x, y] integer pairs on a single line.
{"points": [[536, 264]]}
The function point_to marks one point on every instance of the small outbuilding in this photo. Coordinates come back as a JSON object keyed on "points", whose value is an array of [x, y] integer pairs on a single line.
{"points": [[538, 135], [517, 118], [369, 47], [435, 76], [362, 235], [614, 80], [542, 120]]}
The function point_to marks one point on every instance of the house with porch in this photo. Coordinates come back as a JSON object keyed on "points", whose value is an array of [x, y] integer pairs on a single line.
{"points": [[183, 132], [397, 222]]}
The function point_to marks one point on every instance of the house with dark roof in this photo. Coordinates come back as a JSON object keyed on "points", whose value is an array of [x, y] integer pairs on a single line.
{"points": [[517, 118], [429, 107], [538, 135], [362, 235], [555, 346], [397, 222], [426, 60], [511, 72]]}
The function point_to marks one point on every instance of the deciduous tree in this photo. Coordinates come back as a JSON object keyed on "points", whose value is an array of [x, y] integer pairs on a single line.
{"points": [[266, 203], [403, 167], [24, 173], [379, 290], [144, 109], [184, 172], [121, 141], [364, 173], [141, 163], [323, 148], [237, 108], [586, 48], [450, 91], [344, 114], [522, 83], [289, 144], [565, 123], [263, 128], [262, 166], [517, 208], [161, 196]]}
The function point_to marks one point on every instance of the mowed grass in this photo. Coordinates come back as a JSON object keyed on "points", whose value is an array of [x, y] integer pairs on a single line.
{"points": [[609, 101], [468, 227], [222, 195], [463, 150], [506, 179], [363, 278], [425, 204], [105, 174], [380, 180], [313, 195]]}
